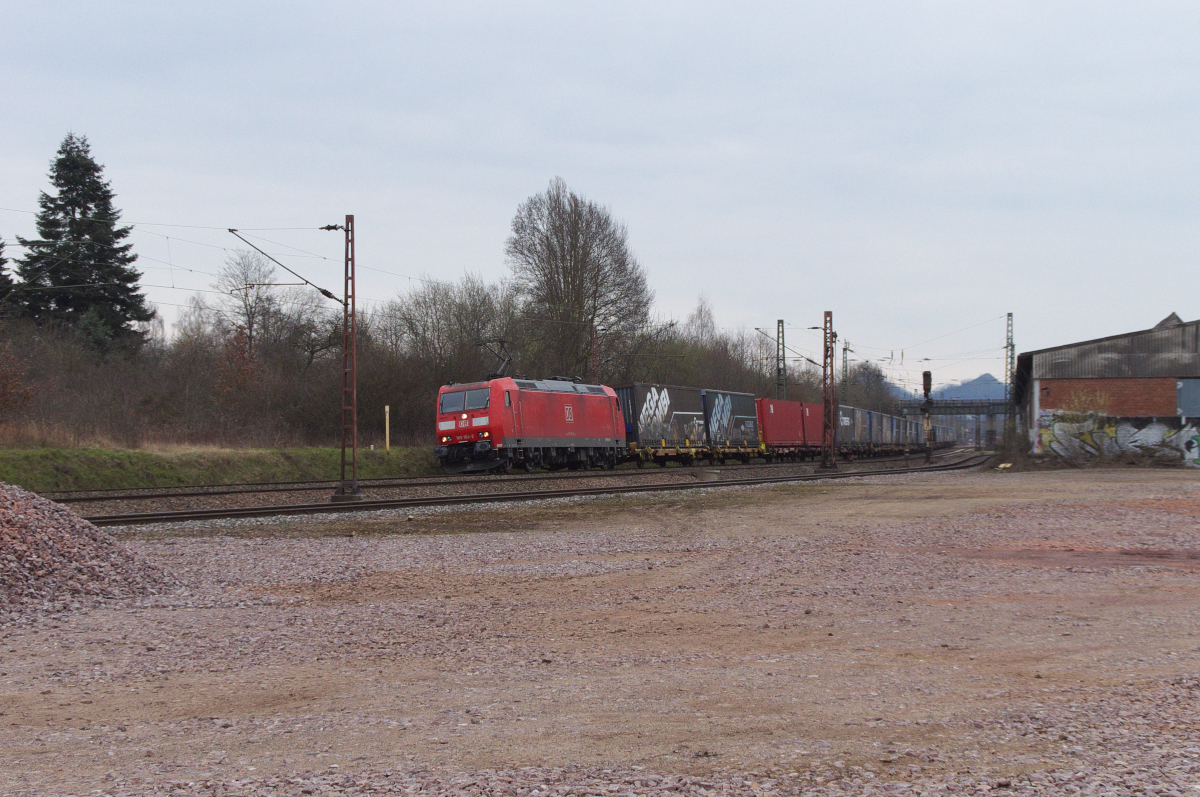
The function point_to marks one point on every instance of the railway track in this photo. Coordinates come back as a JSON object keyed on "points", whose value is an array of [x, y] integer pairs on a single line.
{"points": [[204, 490], [143, 518]]}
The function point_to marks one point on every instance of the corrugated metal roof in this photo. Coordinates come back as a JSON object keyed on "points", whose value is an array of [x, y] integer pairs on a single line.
{"points": [[1170, 349]]}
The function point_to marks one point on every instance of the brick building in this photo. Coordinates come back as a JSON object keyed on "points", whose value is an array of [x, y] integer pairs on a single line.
{"points": [[1137, 393]]}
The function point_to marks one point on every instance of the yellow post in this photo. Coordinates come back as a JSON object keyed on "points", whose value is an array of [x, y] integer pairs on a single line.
{"points": [[387, 428]]}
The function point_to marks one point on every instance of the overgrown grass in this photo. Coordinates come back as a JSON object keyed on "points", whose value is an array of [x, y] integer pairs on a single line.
{"points": [[46, 469]]}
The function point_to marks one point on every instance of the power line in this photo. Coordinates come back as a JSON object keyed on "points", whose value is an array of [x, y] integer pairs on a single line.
{"points": [[914, 345], [170, 265], [197, 243], [955, 332], [273, 257], [38, 243], [321, 291], [787, 348], [160, 224], [286, 246], [140, 256]]}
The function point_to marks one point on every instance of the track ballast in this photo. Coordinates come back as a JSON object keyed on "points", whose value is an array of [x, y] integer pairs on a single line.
{"points": [[249, 488], [143, 518]]}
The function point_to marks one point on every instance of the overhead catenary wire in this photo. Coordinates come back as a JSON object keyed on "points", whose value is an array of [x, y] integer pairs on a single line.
{"points": [[787, 348], [170, 265], [162, 224], [426, 280], [165, 263], [33, 244], [899, 372], [302, 251], [322, 291], [939, 337]]}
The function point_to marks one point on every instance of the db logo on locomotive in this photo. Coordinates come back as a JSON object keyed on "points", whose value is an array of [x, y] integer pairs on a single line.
{"points": [[570, 413]]}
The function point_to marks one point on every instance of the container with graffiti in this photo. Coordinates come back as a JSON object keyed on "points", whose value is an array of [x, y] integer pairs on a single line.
{"points": [[730, 419], [663, 422]]}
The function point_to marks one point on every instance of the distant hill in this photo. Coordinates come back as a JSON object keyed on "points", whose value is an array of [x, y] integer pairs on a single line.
{"points": [[981, 387]]}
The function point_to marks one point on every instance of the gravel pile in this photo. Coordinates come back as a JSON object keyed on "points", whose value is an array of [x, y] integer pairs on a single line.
{"points": [[51, 560]]}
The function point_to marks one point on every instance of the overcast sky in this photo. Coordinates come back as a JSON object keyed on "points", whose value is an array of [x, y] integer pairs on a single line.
{"points": [[917, 168]]}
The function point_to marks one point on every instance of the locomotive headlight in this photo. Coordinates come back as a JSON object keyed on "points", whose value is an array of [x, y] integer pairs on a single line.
{"points": [[445, 438], [485, 434], [464, 416]]}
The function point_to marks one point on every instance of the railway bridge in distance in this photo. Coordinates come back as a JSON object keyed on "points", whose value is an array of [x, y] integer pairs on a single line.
{"points": [[988, 408]]}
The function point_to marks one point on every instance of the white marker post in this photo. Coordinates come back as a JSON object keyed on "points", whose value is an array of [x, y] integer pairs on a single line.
{"points": [[387, 428]]}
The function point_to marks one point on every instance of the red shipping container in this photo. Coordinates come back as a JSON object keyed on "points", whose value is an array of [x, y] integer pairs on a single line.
{"points": [[814, 421], [781, 422]]}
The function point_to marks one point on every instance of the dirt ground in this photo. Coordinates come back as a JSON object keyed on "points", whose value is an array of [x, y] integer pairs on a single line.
{"points": [[1029, 631]]}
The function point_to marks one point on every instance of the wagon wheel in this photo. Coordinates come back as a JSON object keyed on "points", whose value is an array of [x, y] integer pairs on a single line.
{"points": [[507, 466], [529, 466]]}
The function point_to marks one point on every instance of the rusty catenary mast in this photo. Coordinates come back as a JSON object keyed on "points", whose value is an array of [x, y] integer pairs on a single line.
{"points": [[1010, 376], [829, 426], [845, 369], [780, 363], [348, 489], [926, 409]]}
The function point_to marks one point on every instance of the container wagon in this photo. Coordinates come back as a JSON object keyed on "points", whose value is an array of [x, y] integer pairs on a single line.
{"points": [[790, 429], [730, 425], [865, 433], [663, 423]]}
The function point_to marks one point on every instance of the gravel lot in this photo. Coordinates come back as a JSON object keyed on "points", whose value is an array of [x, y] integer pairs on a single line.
{"points": [[944, 634]]}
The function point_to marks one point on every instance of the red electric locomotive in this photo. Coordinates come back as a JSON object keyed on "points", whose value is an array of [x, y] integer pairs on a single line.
{"points": [[504, 423]]}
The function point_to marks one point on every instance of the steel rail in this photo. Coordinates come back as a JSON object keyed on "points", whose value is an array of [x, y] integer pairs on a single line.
{"points": [[210, 489], [202, 490], [142, 518]]}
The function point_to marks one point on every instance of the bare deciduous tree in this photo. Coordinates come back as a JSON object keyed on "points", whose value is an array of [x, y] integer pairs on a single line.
{"points": [[248, 281], [14, 393], [574, 270], [869, 389], [441, 323]]}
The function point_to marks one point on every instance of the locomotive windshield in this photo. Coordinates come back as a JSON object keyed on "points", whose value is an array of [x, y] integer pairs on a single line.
{"points": [[465, 400]]}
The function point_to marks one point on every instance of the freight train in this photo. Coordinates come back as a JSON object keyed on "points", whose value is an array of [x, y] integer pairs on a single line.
{"points": [[507, 422]]}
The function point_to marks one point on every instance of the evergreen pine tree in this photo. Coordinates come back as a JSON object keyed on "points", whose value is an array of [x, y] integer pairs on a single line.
{"points": [[78, 273]]}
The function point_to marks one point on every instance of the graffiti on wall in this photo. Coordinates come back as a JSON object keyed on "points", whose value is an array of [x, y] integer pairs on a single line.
{"points": [[1081, 437]]}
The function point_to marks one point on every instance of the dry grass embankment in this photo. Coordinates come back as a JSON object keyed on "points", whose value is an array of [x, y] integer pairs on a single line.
{"points": [[47, 469]]}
